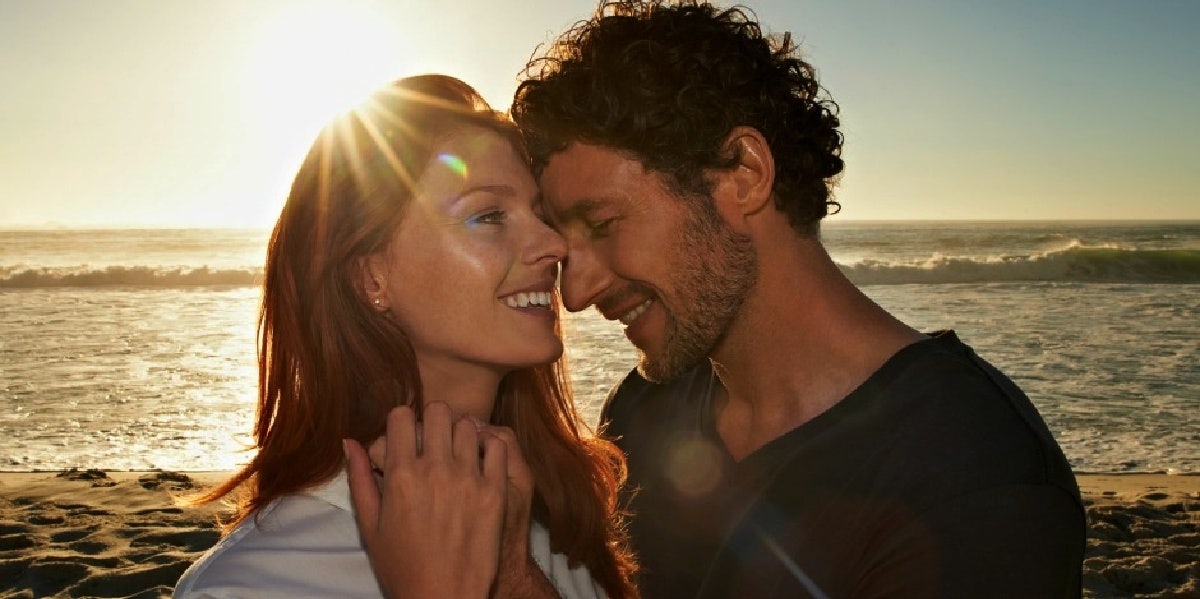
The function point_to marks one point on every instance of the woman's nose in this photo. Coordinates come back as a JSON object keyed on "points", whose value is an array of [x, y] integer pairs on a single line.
{"points": [[546, 244]]}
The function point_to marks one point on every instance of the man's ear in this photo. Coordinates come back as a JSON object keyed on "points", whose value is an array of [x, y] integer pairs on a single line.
{"points": [[371, 280], [744, 189]]}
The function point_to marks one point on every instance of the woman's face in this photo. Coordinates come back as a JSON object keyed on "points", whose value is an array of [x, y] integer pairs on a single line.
{"points": [[470, 272]]}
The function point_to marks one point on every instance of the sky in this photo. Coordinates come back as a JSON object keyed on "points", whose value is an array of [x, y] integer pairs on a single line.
{"points": [[196, 114]]}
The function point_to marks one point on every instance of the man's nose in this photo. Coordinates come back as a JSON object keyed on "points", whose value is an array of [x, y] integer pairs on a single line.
{"points": [[585, 276]]}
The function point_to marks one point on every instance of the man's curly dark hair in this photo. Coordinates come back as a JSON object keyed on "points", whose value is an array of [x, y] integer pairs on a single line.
{"points": [[668, 82]]}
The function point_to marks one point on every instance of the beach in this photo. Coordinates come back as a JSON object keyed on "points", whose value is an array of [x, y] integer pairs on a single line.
{"points": [[129, 355], [90, 533]]}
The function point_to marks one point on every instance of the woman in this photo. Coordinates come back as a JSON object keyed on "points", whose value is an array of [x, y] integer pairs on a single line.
{"points": [[411, 262]]}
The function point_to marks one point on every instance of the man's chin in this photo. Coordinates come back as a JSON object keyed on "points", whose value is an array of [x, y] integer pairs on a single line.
{"points": [[658, 369]]}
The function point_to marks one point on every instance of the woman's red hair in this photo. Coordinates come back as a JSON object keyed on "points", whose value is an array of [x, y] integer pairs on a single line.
{"points": [[329, 367]]}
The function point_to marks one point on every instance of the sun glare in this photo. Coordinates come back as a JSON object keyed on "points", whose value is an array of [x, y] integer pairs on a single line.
{"points": [[309, 63], [314, 62]]}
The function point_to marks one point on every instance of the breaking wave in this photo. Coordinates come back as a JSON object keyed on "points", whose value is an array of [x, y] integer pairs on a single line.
{"points": [[128, 276], [1077, 264]]}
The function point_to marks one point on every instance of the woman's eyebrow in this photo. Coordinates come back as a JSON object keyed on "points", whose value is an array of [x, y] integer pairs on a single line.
{"points": [[500, 190]]}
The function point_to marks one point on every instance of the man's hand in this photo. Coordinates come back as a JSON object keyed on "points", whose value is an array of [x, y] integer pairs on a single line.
{"points": [[432, 527]]}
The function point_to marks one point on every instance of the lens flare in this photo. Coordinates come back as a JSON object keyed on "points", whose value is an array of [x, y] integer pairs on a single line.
{"points": [[694, 465], [455, 163]]}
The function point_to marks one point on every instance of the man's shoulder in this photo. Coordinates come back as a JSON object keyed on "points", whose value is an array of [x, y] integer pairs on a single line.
{"points": [[943, 415], [636, 398], [943, 376]]}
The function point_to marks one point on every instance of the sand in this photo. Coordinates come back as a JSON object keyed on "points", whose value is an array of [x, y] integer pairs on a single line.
{"points": [[96, 534], [1143, 535]]}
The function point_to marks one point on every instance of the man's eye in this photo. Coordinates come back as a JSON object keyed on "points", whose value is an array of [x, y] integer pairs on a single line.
{"points": [[600, 228], [491, 217]]}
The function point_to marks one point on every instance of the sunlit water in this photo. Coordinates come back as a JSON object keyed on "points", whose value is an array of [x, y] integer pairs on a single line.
{"points": [[118, 352]]}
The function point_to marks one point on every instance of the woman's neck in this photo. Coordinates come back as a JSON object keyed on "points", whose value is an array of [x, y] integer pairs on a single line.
{"points": [[469, 390]]}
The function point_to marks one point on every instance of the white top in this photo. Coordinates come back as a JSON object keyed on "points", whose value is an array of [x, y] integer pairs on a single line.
{"points": [[307, 545]]}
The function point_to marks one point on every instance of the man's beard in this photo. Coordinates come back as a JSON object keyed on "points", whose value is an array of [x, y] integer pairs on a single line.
{"points": [[713, 269]]}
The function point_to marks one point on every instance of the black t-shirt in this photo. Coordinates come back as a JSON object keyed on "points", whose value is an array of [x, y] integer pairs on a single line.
{"points": [[935, 478]]}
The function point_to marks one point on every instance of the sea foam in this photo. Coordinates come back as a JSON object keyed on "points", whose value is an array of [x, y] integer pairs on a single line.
{"points": [[1077, 264]]}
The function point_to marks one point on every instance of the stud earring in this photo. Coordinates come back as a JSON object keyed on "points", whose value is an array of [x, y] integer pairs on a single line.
{"points": [[377, 302]]}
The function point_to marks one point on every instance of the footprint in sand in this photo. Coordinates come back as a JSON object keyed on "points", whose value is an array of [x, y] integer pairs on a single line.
{"points": [[15, 542], [52, 577], [159, 510], [82, 510], [141, 580], [98, 478], [44, 519], [170, 481], [88, 547], [67, 536], [9, 528], [11, 569]]}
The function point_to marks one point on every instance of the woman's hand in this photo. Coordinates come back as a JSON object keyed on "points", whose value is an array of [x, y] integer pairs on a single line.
{"points": [[519, 576], [433, 527]]}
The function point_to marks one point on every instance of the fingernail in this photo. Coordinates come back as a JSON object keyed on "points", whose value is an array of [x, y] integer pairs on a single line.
{"points": [[479, 424]]}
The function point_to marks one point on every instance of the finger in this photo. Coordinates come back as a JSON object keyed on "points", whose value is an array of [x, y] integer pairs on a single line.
{"points": [[437, 431], [466, 444], [518, 468], [363, 492], [378, 452], [495, 460], [401, 445], [503, 433]]}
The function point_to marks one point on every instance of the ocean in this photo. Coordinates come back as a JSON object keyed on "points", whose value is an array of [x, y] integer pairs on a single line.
{"points": [[134, 349]]}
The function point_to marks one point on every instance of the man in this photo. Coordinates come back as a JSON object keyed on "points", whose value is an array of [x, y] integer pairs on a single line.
{"points": [[786, 436]]}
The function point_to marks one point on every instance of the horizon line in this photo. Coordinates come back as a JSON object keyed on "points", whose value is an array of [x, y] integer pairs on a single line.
{"points": [[54, 226]]}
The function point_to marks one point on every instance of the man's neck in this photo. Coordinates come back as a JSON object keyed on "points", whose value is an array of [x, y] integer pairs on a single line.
{"points": [[804, 340]]}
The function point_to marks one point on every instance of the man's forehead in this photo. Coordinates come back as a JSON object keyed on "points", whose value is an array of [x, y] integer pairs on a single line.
{"points": [[585, 178]]}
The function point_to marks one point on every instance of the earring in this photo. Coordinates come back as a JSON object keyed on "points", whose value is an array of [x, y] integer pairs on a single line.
{"points": [[377, 302]]}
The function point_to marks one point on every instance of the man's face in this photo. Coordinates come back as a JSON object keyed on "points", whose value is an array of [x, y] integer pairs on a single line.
{"points": [[667, 267]]}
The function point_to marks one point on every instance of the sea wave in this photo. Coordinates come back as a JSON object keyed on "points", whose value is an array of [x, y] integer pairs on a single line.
{"points": [[1077, 264], [129, 276]]}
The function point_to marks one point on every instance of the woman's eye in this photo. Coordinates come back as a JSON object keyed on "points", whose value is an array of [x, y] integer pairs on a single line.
{"points": [[491, 217]]}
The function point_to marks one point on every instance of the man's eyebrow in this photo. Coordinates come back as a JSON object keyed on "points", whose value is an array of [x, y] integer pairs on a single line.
{"points": [[581, 209]]}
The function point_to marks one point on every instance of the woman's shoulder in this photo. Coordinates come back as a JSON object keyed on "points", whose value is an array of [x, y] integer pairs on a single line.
{"points": [[299, 546], [571, 583]]}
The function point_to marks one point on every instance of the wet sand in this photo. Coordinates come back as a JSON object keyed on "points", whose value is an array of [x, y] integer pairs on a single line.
{"points": [[119, 534]]}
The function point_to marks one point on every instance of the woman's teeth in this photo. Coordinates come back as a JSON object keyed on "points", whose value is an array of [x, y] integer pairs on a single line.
{"points": [[539, 299], [633, 314]]}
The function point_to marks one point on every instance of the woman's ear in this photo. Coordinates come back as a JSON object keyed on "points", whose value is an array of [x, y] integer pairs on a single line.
{"points": [[745, 188], [371, 280]]}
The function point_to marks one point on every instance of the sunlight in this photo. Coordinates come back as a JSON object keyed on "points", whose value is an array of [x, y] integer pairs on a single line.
{"points": [[312, 63], [318, 60]]}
